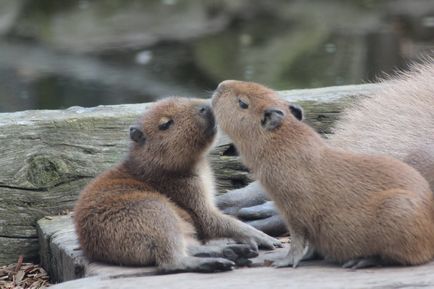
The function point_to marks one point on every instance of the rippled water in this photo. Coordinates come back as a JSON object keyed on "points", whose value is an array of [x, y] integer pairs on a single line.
{"points": [[56, 54]]}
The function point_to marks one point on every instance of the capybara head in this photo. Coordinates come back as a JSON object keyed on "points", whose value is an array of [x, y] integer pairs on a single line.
{"points": [[173, 134], [250, 111]]}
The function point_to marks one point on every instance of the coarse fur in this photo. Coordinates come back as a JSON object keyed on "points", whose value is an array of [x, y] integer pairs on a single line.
{"points": [[155, 205], [397, 120], [355, 208]]}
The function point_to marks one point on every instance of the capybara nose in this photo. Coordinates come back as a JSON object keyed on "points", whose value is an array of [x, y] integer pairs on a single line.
{"points": [[226, 84], [205, 109]]}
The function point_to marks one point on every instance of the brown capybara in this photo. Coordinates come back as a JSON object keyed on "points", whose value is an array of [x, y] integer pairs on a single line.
{"points": [[358, 209], [153, 207]]}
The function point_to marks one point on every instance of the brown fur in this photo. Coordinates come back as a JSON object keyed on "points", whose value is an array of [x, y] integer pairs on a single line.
{"points": [[397, 120], [346, 205], [152, 207]]}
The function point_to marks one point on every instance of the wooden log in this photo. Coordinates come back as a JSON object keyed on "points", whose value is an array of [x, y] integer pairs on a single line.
{"points": [[309, 275], [64, 260], [48, 156]]}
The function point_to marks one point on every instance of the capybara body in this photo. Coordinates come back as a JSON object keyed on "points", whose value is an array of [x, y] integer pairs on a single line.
{"points": [[355, 208], [157, 204]]}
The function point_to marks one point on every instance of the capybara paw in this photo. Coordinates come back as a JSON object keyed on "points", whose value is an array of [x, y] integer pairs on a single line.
{"points": [[360, 263], [268, 243], [283, 262], [236, 251], [289, 260], [212, 265], [240, 254]]}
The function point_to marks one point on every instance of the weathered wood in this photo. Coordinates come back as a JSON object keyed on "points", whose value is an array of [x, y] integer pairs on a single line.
{"points": [[312, 275], [47, 157], [63, 259]]}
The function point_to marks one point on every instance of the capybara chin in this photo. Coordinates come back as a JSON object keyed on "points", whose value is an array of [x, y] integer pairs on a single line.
{"points": [[156, 205], [357, 209]]}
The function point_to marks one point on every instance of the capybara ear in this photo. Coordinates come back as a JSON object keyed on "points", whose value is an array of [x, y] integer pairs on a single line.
{"points": [[297, 111], [137, 135], [272, 118]]}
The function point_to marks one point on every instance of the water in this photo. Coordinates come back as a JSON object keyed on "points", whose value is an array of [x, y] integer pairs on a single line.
{"points": [[56, 54]]}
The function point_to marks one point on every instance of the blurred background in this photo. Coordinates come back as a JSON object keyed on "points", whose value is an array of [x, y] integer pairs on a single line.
{"points": [[56, 54]]}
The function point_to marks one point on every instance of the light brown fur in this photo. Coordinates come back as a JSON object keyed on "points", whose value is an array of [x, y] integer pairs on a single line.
{"points": [[154, 206], [347, 206], [397, 120]]}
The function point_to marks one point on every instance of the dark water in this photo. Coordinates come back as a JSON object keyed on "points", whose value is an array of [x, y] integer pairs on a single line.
{"points": [[56, 54]]}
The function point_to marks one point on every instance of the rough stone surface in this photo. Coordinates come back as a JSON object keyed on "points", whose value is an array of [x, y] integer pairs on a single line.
{"points": [[48, 156]]}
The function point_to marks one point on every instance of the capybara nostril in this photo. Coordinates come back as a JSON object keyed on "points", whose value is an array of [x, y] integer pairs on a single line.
{"points": [[204, 109]]}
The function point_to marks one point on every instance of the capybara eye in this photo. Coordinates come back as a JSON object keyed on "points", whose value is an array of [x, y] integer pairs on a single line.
{"points": [[242, 104], [166, 125]]}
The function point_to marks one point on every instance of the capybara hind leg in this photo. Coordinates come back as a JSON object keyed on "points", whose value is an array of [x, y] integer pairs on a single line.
{"points": [[406, 224], [154, 235], [297, 251], [171, 235]]}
